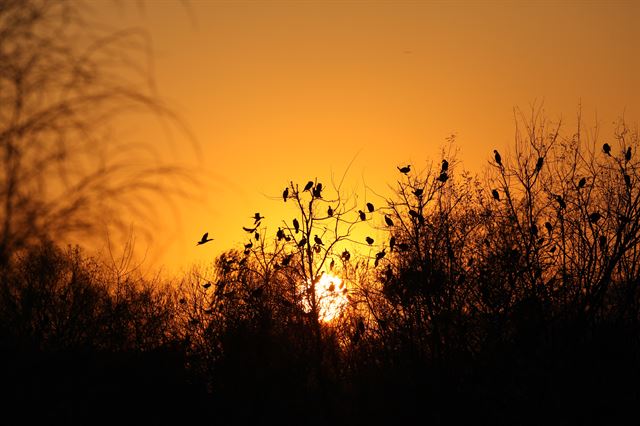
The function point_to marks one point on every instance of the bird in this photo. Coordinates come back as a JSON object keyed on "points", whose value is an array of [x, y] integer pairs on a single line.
{"points": [[257, 236], [286, 260], [302, 242], [445, 166], [418, 192], [250, 230], [388, 220], [627, 180], [317, 191], [496, 194], [497, 157], [206, 285], [379, 256], [345, 255], [332, 264], [548, 226], [257, 218], [280, 234], [539, 164], [594, 217], [317, 240], [296, 225], [627, 155], [362, 215], [443, 177], [561, 202], [308, 186], [370, 207], [248, 245], [285, 194], [204, 239], [607, 149], [582, 182], [406, 169], [369, 240], [329, 211]]}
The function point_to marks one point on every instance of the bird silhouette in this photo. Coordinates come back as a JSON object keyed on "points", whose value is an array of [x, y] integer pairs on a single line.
{"points": [[345, 255], [280, 234], [369, 240], [627, 155], [388, 220], [302, 242], [329, 211], [370, 207], [497, 157], [594, 217], [548, 227], [495, 194], [539, 164], [418, 192], [362, 215], [317, 191], [257, 236], [443, 177], [248, 245], [445, 166], [317, 240], [308, 186], [257, 218], [204, 239], [406, 169], [607, 149], [250, 230], [296, 225], [285, 194], [582, 182], [206, 285]]}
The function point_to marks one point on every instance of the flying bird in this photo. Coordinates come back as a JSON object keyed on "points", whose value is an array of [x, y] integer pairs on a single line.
{"points": [[497, 157], [204, 239], [369, 240], [627, 155], [496, 194], [308, 186], [296, 225], [607, 149], [317, 240], [285, 194], [362, 215], [257, 218], [370, 207], [405, 169], [388, 220], [445, 166], [257, 236]]}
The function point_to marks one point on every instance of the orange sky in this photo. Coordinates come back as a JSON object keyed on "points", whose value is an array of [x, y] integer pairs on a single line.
{"points": [[280, 91]]}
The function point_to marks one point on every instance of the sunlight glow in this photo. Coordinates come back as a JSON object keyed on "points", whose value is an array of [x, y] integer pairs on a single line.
{"points": [[331, 294]]}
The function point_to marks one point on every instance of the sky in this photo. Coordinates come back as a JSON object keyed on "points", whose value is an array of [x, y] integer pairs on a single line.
{"points": [[280, 91]]}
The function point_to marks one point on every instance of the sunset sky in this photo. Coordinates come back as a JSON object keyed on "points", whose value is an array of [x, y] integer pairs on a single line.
{"points": [[280, 91]]}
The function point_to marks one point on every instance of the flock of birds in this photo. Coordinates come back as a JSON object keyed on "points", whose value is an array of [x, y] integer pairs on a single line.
{"points": [[316, 191]]}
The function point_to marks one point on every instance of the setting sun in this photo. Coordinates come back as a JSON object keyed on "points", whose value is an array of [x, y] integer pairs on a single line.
{"points": [[331, 295]]}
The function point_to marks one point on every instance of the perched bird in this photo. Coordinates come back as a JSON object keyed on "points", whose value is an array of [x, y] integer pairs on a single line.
{"points": [[539, 164], [248, 245], [302, 242], [405, 169], [392, 243], [496, 194], [388, 220], [362, 215], [497, 157], [607, 149], [418, 192], [329, 211], [204, 239], [582, 182], [257, 218], [627, 155], [345, 255], [445, 166], [548, 227], [296, 225], [285, 194], [370, 207], [369, 240], [379, 256], [280, 234], [594, 217], [627, 180], [317, 191], [308, 186], [317, 240], [443, 177], [257, 236]]}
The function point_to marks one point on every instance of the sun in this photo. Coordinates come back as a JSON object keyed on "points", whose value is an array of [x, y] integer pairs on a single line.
{"points": [[331, 295]]}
